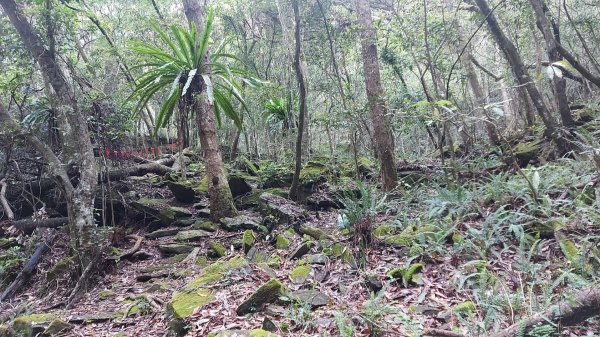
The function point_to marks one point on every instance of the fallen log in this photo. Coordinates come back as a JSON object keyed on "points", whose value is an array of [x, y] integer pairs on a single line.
{"points": [[28, 225], [29, 268], [586, 304], [138, 170]]}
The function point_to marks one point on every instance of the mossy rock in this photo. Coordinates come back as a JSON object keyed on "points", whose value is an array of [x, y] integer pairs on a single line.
{"points": [[60, 268], [382, 230], [202, 187], [182, 191], [28, 325], [175, 248], [404, 239], [234, 263], [242, 333], [525, 152], [217, 249], [312, 298], [267, 293], [104, 294], [140, 306], [406, 275], [467, 307], [282, 242], [314, 173], [192, 235], [248, 239], [205, 226], [183, 304], [283, 209], [7, 331], [313, 232], [238, 184], [301, 250], [171, 214], [150, 206], [241, 222], [274, 261], [57, 327], [162, 233], [349, 259], [300, 274]]}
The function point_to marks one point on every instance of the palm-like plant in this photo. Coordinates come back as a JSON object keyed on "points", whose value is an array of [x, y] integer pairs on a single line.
{"points": [[197, 80], [275, 112], [184, 67]]}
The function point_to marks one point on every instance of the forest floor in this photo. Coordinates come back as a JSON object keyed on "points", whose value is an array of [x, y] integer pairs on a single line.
{"points": [[471, 258]]}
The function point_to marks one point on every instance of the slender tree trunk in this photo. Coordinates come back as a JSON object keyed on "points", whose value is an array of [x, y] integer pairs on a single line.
{"points": [[384, 139], [77, 144], [520, 73], [221, 200], [294, 189], [560, 84]]}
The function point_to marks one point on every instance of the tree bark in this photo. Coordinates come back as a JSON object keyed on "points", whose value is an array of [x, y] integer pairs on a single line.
{"points": [[294, 195], [384, 139], [221, 200], [560, 84], [77, 145], [520, 72]]}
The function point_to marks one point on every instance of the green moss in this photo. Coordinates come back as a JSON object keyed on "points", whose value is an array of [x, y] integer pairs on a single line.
{"points": [[57, 326], [218, 249], [35, 319], [261, 333], [104, 294], [248, 239], [314, 172], [267, 293], [281, 242], [382, 230], [60, 268], [225, 266], [191, 235], [527, 147], [313, 232], [183, 303], [407, 275], [202, 185], [465, 307], [205, 226], [274, 261], [300, 274]]}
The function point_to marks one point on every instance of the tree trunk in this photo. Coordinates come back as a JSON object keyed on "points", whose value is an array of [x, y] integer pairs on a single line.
{"points": [[520, 73], [294, 195], [560, 84], [384, 139], [76, 145], [221, 200]]}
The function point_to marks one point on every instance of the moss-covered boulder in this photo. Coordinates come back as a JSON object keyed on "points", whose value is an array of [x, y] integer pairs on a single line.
{"points": [[150, 206], [242, 333], [205, 225], [61, 268], [192, 235], [162, 233], [282, 242], [314, 173], [312, 298], [30, 325], [216, 249], [171, 214], [238, 184], [284, 210], [267, 293], [175, 248], [241, 222], [526, 151], [202, 186], [313, 232], [300, 274], [182, 191], [198, 292], [248, 239], [406, 274], [301, 250]]}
